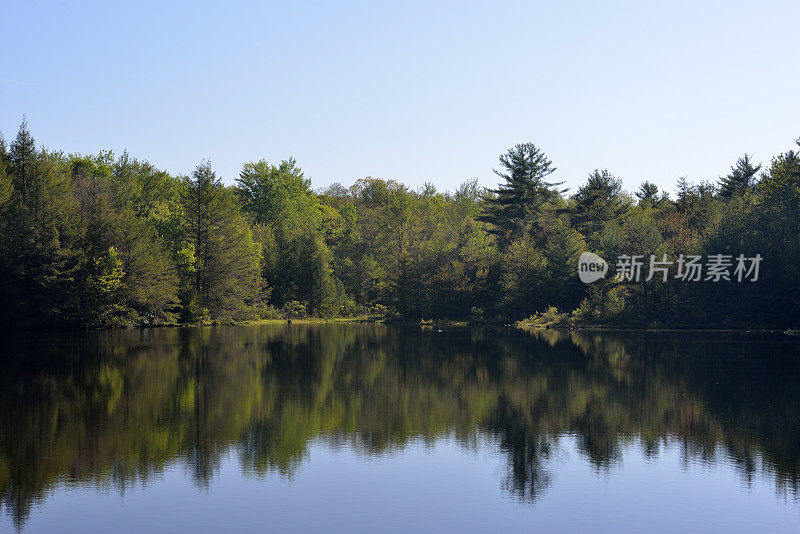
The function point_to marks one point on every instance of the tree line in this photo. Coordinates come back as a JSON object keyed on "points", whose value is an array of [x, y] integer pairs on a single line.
{"points": [[110, 240]]}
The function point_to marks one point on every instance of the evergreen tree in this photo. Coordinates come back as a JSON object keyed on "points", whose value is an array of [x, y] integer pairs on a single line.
{"points": [[5, 180], [315, 285], [226, 272], [99, 221], [741, 178], [642, 238], [23, 160], [647, 193], [6, 230], [563, 248], [147, 292], [777, 237], [39, 234], [524, 277], [596, 202], [150, 284], [515, 204], [99, 241], [685, 192]]}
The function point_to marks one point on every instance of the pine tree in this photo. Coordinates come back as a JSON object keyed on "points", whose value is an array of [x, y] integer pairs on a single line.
{"points": [[5, 180], [647, 193], [597, 202], [148, 286], [515, 204], [741, 178], [226, 278], [39, 236], [685, 192], [6, 229], [150, 283], [564, 245], [523, 280], [23, 160], [315, 285]]}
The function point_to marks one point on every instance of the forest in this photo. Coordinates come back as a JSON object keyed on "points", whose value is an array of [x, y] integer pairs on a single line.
{"points": [[112, 241]]}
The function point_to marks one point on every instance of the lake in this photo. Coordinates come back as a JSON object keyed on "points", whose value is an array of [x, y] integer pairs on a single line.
{"points": [[369, 427]]}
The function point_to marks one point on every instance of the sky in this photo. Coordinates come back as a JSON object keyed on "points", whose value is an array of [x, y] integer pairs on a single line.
{"points": [[414, 91]]}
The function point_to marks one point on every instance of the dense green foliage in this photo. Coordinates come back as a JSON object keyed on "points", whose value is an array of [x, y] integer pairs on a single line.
{"points": [[105, 241]]}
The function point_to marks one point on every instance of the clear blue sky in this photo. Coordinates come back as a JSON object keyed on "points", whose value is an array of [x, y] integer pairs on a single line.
{"points": [[411, 91]]}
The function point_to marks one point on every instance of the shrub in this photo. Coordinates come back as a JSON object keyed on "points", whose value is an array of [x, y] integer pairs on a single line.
{"points": [[295, 310], [550, 317]]}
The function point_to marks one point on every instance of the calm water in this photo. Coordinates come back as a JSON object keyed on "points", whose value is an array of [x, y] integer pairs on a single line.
{"points": [[374, 428]]}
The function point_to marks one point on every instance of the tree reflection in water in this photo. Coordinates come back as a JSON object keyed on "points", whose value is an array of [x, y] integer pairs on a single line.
{"points": [[116, 408]]}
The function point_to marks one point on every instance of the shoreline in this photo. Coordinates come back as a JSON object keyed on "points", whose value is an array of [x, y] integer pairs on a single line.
{"points": [[425, 325]]}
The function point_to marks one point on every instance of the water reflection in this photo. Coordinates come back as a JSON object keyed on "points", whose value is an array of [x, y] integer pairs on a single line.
{"points": [[113, 409]]}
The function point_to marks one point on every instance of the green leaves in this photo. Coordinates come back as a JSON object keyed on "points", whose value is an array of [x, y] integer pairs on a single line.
{"points": [[514, 206], [741, 179], [220, 262], [597, 202], [105, 241]]}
